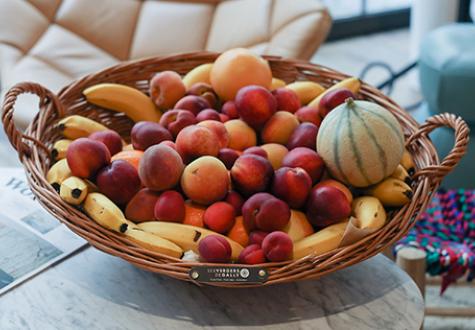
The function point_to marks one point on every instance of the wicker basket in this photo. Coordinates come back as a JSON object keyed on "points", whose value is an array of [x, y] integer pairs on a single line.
{"points": [[34, 144]]}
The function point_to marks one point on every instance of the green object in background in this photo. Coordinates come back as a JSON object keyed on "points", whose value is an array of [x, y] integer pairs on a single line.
{"points": [[447, 79]]}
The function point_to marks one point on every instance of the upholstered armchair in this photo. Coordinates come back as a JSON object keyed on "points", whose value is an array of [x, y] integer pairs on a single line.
{"points": [[56, 41]]}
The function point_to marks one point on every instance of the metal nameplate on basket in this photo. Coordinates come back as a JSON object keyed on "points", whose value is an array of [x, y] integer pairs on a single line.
{"points": [[229, 274]]}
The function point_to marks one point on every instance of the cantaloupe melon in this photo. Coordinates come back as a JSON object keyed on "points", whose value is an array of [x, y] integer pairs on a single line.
{"points": [[360, 142]]}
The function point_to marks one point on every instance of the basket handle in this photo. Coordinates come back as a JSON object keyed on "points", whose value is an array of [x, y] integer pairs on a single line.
{"points": [[438, 172], [14, 135]]}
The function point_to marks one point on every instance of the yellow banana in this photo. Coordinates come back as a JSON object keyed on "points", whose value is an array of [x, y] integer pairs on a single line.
{"points": [[102, 210], [298, 226], [75, 126], [401, 174], [121, 98], [198, 74], [58, 173], [185, 236], [391, 192], [154, 242], [353, 84], [325, 240], [73, 190], [369, 212], [408, 163], [306, 90], [59, 149], [276, 83]]}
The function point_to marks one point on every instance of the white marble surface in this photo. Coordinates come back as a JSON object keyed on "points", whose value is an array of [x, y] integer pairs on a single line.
{"points": [[92, 290]]}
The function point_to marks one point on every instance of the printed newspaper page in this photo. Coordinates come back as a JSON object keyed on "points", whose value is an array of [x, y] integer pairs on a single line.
{"points": [[30, 238]]}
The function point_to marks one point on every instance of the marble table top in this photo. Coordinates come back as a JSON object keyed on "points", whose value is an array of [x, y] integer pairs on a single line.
{"points": [[92, 290]]}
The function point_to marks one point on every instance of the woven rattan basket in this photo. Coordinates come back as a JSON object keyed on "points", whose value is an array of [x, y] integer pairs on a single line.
{"points": [[34, 145]]}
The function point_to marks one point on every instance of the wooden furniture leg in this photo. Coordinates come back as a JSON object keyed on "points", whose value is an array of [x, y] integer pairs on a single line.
{"points": [[413, 262]]}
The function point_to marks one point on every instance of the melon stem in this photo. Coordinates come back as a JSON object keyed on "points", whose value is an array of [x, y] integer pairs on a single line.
{"points": [[350, 102]]}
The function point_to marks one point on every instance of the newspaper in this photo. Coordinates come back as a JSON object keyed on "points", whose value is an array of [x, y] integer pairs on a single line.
{"points": [[30, 238]]}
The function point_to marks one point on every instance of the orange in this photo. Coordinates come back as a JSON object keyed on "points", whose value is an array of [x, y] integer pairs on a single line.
{"points": [[131, 156], [194, 214], [238, 233]]}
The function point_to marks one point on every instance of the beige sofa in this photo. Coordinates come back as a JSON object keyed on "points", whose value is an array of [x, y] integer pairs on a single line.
{"points": [[56, 41]]}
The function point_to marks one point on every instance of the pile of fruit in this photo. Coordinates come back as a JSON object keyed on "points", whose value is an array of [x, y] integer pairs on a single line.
{"points": [[228, 164]]}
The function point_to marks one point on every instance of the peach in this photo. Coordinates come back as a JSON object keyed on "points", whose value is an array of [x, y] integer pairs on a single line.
{"points": [[166, 88], [277, 83], [292, 185], [309, 114], [305, 135], [275, 153], [279, 128], [256, 151], [119, 181], [160, 167], [131, 156], [141, 207], [146, 133], [194, 214], [208, 114], [287, 99], [241, 135], [237, 68], [215, 248], [205, 180], [196, 141], [228, 157], [110, 138], [327, 205], [205, 91], [252, 255], [265, 212], [192, 103], [255, 105], [336, 184], [298, 226], [85, 157], [229, 109], [170, 144], [224, 118], [257, 236], [251, 174], [219, 129], [170, 206], [219, 217], [278, 246], [236, 200], [307, 159], [176, 120], [332, 99], [238, 232]]}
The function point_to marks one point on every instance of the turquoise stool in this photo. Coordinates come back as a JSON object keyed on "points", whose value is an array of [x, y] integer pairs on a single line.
{"points": [[447, 79]]}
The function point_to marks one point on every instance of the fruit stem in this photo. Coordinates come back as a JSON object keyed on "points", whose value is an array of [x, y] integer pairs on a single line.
{"points": [[350, 102]]}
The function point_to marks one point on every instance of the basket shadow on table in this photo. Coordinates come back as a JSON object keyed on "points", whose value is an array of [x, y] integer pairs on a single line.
{"points": [[173, 299]]}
